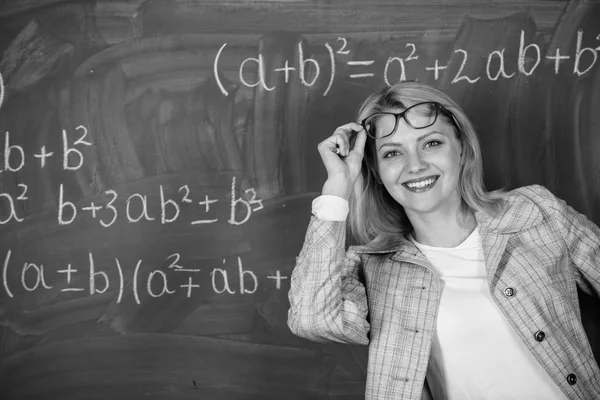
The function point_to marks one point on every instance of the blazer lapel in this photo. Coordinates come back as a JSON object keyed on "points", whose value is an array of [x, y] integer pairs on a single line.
{"points": [[400, 248], [409, 253], [519, 214], [494, 245]]}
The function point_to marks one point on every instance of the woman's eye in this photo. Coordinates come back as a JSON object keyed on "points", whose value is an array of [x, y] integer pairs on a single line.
{"points": [[433, 143], [392, 153]]}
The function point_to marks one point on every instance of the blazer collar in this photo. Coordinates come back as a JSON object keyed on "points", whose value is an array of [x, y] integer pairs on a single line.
{"points": [[401, 247], [519, 214]]}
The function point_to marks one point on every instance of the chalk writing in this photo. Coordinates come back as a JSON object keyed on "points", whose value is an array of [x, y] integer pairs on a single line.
{"points": [[94, 275], [67, 150], [286, 70], [332, 60], [15, 158], [500, 69], [250, 206], [261, 73], [178, 268], [216, 70], [436, 68], [189, 285], [579, 51], [401, 63], [361, 63], [206, 203], [12, 212], [155, 283], [224, 280], [459, 76], [528, 60], [278, 277], [5, 274], [39, 277], [302, 70], [14, 151], [342, 50], [137, 207], [557, 59], [165, 284], [69, 271], [522, 56], [106, 209], [1, 90], [42, 155]]}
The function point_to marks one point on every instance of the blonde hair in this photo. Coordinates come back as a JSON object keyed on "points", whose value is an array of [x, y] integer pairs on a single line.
{"points": [[373, 210]]}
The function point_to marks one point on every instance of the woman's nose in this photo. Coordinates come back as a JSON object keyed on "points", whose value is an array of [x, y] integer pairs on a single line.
{"points": [[416, 162]]}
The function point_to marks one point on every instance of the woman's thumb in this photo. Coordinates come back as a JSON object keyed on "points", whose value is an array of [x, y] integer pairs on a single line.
{"points": [[359, 145]]}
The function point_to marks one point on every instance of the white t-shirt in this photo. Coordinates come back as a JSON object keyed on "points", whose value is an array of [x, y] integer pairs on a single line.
{"points": [[475, 353]]}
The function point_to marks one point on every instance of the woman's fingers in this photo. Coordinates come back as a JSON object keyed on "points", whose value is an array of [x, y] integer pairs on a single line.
{"points": [[342, 159], [342, 152], [341, 138], [358, 150], [350, 130], [339, 141], [342, 142], [330, 145]]}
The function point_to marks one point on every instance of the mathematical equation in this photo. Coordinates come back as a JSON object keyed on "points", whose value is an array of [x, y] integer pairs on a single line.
{"points": [[106, 212], [395, 67], [33, 277]]}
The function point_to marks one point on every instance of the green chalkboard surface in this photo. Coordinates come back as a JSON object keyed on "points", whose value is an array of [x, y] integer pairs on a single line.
{"points": [[158, 160]]}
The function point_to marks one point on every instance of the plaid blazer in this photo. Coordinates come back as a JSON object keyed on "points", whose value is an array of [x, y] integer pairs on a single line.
{"points": [[386, 294]]}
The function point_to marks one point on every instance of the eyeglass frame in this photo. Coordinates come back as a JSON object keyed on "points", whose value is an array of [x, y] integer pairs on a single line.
{"points": [[438, 108]]}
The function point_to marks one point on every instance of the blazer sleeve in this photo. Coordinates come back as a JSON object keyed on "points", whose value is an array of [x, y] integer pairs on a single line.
{"points": [[328, 300], [582, 238]]}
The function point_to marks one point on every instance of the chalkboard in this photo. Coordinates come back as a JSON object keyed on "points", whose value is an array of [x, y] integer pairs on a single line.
{"points": [[158, 159]]}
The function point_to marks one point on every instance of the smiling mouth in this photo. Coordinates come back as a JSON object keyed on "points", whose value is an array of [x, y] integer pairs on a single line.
{"points": [[421, 185]]}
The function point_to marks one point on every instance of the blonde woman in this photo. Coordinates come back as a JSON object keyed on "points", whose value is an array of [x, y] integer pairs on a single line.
{"points": [[459, 293]]}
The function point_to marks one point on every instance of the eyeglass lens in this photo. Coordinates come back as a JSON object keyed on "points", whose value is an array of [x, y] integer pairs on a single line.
{"points": [[418, 116]]}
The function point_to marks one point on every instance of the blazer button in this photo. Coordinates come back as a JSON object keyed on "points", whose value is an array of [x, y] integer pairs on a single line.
{"points": [[571, 379], [539, 336], [509, 292]]}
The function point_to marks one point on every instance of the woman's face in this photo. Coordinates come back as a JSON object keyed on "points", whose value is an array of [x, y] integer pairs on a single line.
{"points": [[420, 167]]}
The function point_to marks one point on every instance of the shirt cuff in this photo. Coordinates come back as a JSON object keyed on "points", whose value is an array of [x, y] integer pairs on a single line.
{"points": [[330, 208]]}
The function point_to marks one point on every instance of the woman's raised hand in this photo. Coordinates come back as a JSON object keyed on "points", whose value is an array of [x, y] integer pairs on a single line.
{"points": [[342, 163]]}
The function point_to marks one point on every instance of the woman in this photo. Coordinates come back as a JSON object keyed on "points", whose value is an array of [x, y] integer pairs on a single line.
{"points": [[473, 292]]}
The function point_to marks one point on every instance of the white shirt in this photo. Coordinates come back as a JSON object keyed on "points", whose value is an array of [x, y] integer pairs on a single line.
{"points": [[475, 353]]}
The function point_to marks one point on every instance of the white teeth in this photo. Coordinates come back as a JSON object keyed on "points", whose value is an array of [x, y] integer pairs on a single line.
{"points": [[421, 184]]}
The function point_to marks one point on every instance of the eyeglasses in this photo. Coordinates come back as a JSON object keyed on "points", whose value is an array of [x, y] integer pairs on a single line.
{"points": [[418, 116]]}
